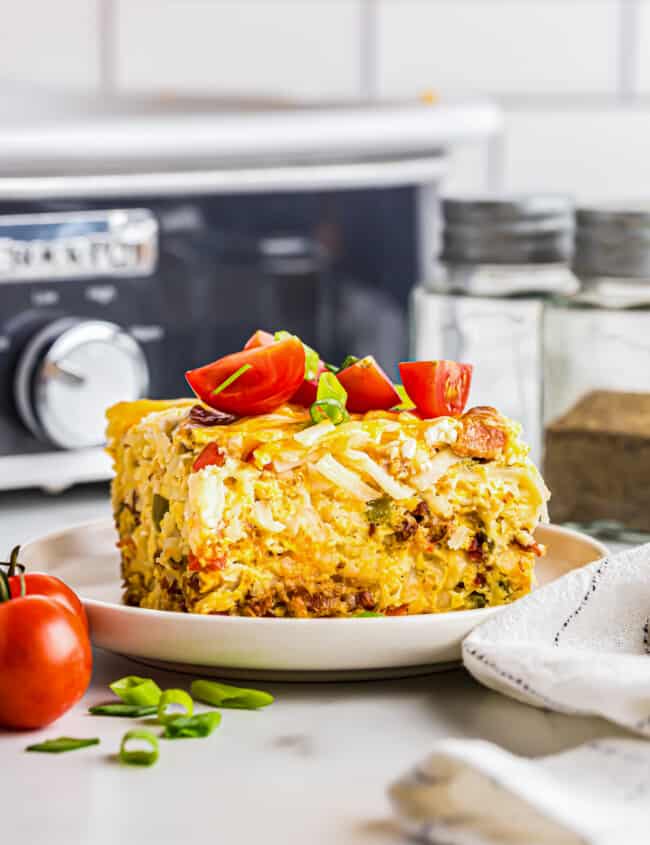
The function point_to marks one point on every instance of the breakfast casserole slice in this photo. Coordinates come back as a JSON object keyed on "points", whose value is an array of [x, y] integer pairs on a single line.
{"points": [[279, 515]]}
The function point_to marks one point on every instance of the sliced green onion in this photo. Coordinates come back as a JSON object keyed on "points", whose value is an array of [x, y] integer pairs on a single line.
{"points": [[329, 387], [224, 695], [349, 360], [159, 507], [63, 743], [312, 359], [406, 404], [331, 397], [174, 696], [132, 711], [367, 614], [328, 409], [139, 756], [192, 727], [232, 377], [134, 690], [311, 356]]}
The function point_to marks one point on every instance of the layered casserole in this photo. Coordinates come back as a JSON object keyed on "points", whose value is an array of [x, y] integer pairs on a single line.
{"points": [[280, 515]]}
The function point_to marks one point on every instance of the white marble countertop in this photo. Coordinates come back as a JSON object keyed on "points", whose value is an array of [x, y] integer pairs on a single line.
{"points": [[313, 767]]}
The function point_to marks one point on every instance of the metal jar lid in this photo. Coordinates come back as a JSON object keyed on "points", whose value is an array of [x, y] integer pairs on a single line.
{"points": [[534, 228], [613, 241]]}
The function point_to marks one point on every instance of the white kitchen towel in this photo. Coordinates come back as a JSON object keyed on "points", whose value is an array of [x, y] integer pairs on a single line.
{"points": [[470, 792], [580, 645]]}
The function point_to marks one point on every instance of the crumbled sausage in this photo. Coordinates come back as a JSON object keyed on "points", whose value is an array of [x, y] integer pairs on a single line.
{"points": [[208, 417], [366, 600], [481, 434]]}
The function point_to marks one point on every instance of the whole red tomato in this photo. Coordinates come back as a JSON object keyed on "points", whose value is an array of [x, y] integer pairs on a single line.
{"points": [[40, 584], [45, 661], [45, 655]]}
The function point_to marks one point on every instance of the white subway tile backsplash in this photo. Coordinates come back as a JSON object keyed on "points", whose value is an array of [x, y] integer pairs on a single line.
{"points": [[643, 46], [270, 47], [519, 46], [593, 154], [51, 44]]}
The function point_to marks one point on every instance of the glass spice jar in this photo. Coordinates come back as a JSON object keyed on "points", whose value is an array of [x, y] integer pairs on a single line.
{"points": [[597, 379], [502, 259]]}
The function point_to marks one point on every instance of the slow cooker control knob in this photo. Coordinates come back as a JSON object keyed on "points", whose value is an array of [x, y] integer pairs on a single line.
{"points": [[70, 372]]}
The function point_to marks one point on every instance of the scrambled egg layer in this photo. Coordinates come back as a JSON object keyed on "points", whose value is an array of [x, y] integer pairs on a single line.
{"points": [[273, 516]]}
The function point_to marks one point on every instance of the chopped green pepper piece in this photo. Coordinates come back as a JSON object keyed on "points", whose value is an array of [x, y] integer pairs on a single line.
{"points": [[477, 599], [367, 614], [159, 508], [378, 511]]}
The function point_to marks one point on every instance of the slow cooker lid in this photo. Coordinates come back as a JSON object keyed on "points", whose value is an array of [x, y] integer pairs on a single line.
{"points": [[44, 134]]}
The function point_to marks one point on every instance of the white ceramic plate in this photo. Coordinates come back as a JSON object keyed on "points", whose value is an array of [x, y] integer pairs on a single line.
{"points": [[86, 558]]}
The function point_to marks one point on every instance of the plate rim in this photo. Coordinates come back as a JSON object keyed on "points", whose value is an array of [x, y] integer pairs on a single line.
{"points": [[482, 612]]}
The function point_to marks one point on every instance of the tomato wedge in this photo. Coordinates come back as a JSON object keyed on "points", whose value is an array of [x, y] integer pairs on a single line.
{"points": [[269, 376], [368, 387], [438, 388], [260, 338]]}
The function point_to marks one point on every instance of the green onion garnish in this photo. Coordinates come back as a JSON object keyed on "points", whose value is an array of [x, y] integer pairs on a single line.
{"points": [[224, 695], [349, 360], [174, 696], [132, 711], [331, 397], [139, 756], [134, 690], [192, 727], [232, 377], [367, 614], [311, 356], [329, 387], [328, 409], [406, 404], [63, 743]]}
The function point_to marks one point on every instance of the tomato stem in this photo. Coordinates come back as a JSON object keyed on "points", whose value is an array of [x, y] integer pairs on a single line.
{"points": [[5, 591], [13, 560]]}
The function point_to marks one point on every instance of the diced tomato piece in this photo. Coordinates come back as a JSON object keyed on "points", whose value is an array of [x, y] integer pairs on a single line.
{"points": [[306, 393], [368, 387], [260, 338], [273, 375], [399, 610], [211, 455], [438, 388], [214, 565]]}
